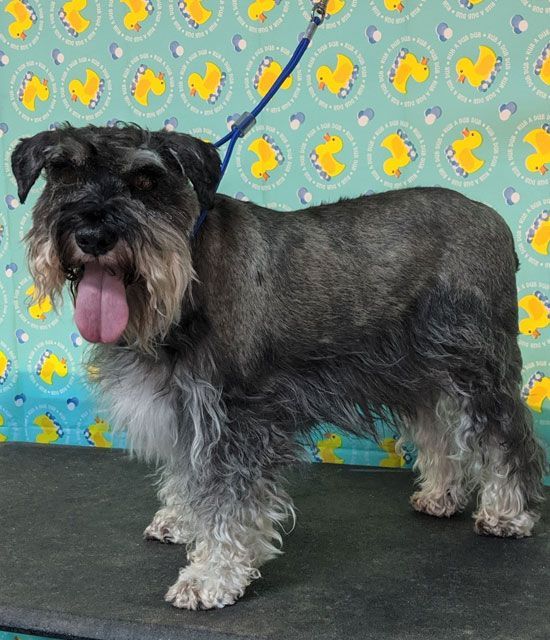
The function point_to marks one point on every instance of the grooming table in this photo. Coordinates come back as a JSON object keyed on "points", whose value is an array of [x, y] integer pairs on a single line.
{"points": [[359, 565]]}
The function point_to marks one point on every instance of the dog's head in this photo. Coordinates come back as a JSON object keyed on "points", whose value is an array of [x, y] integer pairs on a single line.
{"points": [[115, 219]]}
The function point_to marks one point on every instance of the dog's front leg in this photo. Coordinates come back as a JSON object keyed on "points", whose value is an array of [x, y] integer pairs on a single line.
{"points": [[173, 522], [235, 519]]}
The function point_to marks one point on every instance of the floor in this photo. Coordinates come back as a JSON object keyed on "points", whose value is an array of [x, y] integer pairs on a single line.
{"points": [[359, 565]]}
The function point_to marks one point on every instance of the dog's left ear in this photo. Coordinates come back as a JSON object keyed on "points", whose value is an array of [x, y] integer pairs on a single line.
{"points": [[27, 161], [200, 162]]}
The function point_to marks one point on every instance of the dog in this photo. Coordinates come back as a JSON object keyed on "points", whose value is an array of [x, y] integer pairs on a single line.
{"points": [[215, 347]]}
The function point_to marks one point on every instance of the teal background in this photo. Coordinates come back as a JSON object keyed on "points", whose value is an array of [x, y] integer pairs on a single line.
{"points": [[359, 104], [358, 44]]}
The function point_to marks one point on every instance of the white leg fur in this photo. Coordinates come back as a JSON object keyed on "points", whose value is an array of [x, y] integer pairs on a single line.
{"points": [[442, 466], [222, 564], [501, 509], [171, 525]]}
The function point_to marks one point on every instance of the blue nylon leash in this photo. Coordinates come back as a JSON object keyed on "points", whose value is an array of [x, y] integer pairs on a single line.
{"points": [[248, 119]]}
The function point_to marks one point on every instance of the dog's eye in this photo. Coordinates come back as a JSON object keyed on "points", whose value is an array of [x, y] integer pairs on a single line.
{"points": [[143, 182]]}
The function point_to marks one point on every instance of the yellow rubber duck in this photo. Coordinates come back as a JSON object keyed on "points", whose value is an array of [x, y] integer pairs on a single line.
{"points": [[539, 139], [3, 437], [460, 153], [39, 308], [209, 86], [24, 18], [339, 80], [536, 391], [537, 307], [258, 10], [51, 429], [268, 71], [327, 446], [31, 89], [138, 12], [95, 434], [394, 5], [269, 156], [5, 367], [393, 459], [146, 81], [481, 73], [194, 12], [71, 18], [49, 365], [402, 153], [542, 65], [88, 92], [334, 7], [538, 235], [322, 157], [406, 66]]}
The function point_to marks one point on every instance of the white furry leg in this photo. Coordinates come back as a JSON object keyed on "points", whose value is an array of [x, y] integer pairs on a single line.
{"points": [[231, 547], [502, 505], [217, 575], [170, 525], [442, 473]]}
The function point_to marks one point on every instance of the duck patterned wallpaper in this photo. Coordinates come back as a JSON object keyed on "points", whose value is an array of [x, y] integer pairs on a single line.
{"points": [[391, 93]]}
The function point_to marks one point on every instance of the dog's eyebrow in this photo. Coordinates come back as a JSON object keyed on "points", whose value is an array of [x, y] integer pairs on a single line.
{"points": [[142, 158]]}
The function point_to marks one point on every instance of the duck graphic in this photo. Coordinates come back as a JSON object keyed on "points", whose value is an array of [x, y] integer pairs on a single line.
{"points": [[33, 88], [542, 65], [268, 71], [89, 91], [460, 153], [71, 18], [323, 157], [537, 307], [482, 73], [209, 85], [38, 307], [5, 367], [536, 391], [340, 79], [50, 428], [258, 10], [138, 12], [194, 12], [394, 5], [24, 18], [325, 449], [146, 81], [269, 157], [538, 234], [539, 139], [402, 151], [405, 67]]}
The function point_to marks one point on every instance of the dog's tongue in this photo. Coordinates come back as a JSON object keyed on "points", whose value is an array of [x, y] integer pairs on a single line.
{"points": [[101, 312]]}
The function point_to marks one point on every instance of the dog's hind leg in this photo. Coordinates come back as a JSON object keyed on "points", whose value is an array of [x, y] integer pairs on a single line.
{"points": [[513, 462], [443, 471], [501, 437]]}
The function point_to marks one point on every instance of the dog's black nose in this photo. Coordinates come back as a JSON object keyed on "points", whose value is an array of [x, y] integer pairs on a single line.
{"points": [[95, 240]]}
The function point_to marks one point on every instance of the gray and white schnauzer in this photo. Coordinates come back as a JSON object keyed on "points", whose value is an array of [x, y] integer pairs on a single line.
{"points": [[216, 350]]}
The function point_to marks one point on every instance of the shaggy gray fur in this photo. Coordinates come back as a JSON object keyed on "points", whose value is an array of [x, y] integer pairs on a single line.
{"points": [[400, 305]]}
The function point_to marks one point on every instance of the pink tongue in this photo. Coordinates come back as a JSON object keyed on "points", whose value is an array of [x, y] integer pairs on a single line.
{"points": [[101, 312]]}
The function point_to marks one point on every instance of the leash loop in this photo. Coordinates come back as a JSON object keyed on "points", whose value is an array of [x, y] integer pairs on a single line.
{"points": [[247, 119]]}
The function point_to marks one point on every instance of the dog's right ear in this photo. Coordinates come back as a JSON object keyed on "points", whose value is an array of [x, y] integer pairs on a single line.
{"points": [[27, 161]]}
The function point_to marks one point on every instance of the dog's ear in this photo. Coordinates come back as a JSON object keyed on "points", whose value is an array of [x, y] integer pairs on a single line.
{"points": [[27, 161], [199, 161]]}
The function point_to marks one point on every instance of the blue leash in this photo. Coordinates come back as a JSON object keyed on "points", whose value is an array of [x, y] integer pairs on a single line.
{"points": [[248, 119]]}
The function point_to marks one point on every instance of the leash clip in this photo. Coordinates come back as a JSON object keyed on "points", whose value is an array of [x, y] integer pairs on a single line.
{"points": [[317, 18]]}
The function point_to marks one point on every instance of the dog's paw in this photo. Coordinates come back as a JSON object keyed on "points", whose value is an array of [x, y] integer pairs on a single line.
{"points": [[195, 591], [489, 524], [441, 506], [169, 526]]}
